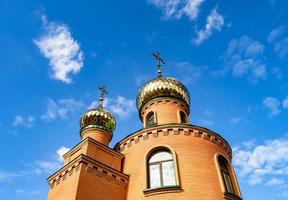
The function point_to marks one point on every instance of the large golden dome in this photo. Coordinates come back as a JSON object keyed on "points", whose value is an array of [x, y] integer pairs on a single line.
{"points": [[98, 118], [162, 87]]}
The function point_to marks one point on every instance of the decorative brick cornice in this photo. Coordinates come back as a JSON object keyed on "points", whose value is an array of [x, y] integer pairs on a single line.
{"points": [[100, 145], [91, 166], [176, 130]]}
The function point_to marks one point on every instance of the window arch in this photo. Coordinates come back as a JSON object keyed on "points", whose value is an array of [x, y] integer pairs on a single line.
{"points": [[183, 118], [161, 169], [150, 119], [226, 175]]}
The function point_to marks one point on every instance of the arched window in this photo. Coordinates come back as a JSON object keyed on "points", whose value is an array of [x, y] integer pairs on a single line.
{"points": [[182, 117], [226, 176], [150, 119], [161, 169]]}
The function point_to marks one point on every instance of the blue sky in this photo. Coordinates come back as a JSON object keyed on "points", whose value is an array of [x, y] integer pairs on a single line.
{"points": [[230, 55]]}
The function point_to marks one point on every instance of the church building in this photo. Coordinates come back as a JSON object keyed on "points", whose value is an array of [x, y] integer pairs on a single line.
{"points": [[168, 159]]}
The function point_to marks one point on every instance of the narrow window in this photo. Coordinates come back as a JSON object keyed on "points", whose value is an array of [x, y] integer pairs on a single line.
{"points": [[182, 117], [161, 169], [226, 175], [150, 119]]}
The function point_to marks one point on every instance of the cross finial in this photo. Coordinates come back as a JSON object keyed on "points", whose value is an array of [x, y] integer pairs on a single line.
{"points": [[101, 98], [160, 61]]}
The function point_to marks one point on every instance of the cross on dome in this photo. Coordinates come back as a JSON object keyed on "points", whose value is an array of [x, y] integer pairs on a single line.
{"points": [[160, 61], [101, 98]]}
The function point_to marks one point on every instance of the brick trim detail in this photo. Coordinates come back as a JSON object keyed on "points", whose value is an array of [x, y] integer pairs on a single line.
{"points": [[91, 166], [175, 130]]}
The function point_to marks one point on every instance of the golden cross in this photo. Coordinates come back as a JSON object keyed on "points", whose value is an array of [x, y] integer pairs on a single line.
{"points": [[160, 61], [103, 92]]}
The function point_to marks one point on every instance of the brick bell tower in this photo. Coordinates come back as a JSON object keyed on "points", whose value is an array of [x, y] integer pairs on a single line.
{"points": [[175, 160], [91, 169]]}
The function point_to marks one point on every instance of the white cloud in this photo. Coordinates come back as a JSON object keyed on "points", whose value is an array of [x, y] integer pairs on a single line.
{"points": [[244, 57], [275, 33], [206, 122], [191, 9], [8, 176], [60, 152], [277, 37], [274, 181], [273, 105], [175, 9], [61, 49], [23, 192], [214, 22], [265, 162], [277, 72], [285, 102], [208, 112], [281, 48], [26, 122], [187, 72], [61, 108], [50, 166], [234, 120], [120, 106]]}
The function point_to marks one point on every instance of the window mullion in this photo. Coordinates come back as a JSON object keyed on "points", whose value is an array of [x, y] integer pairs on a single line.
{"points": [[161, 174]]}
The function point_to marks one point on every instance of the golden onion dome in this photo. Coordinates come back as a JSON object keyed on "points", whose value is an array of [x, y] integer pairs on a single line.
{"points": [[98, 118], [162, 87]]}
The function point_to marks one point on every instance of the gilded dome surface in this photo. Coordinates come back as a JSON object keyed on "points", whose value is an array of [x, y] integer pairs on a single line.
{"points": [[161, 87], [99, 118]]}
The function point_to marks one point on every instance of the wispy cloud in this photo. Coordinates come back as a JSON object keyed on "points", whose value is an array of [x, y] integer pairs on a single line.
{"points": [[234, 120], [50, 166], [187, 72], [275, 181], [265, 163], [61, 108], [278, 37], [206, 122], [120, 106], [175, 9], [285, 102], [61, 49], [273, 105], [275, 34], [244, 58], [60, 152], [26, 122], [25, 192], [6, 176], [214, 22], [277, 72]]}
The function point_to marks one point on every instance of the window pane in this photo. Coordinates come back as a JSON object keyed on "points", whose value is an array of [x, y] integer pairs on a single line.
{"points": [[168, 173], [228, 183], [222, 163], [154, 171], [182, 117], [161, 156], [150, 120]]}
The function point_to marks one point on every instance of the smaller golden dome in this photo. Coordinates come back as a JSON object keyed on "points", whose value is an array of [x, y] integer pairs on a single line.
{"points": [[162, 87], [98, 118]]}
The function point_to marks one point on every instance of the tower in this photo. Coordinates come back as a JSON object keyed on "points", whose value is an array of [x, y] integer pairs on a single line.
{"points": [[175, 160], [167, 159], [91, 169]]}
